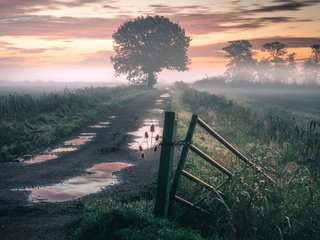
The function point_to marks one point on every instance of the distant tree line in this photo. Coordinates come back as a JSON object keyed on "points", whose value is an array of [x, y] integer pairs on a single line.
{"points": [[279, 67]]}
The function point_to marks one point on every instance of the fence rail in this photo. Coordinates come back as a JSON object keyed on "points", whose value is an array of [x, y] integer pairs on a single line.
{"points": [[166, 191]]}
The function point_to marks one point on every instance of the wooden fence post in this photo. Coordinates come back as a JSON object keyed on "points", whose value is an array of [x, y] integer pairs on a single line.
{"points": [[183, 157], [165, 166]]}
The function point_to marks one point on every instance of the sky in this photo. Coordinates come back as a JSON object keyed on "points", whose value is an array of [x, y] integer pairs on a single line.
{"points": [[71, 40]]}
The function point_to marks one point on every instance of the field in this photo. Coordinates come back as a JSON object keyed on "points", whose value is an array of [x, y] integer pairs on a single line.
{"points": [[283, 144], [300, 101], [250, 206], [38, 88]]}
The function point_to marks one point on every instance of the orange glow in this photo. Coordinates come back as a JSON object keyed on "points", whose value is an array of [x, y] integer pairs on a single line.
{"points": [[68, 37]]}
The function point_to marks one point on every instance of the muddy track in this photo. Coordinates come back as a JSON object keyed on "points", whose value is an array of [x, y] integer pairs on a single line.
{"points": [[21, 219]]}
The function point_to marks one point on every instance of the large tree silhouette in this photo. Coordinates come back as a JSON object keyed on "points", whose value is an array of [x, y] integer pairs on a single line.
{"points": [[146, 46], [241, 62]]}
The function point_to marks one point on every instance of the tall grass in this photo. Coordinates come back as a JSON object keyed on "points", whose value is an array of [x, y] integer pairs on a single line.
{"points": [[250, 207], [28, 122]]}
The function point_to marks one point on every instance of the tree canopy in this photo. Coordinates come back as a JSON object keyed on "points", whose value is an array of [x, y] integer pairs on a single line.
{"points": [[147, 45], [277, 51], [312, 66], [241, 60]]}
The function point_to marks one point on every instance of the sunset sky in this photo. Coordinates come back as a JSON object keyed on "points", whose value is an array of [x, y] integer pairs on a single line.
{"points": [[70, 40]]}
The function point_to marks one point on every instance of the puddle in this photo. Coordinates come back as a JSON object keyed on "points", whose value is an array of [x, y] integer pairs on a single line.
{"points": [[41, 158], [159, 102], [98, 177], [166, 95], [88, 134], [81, 140], [104, 123], [71, 145], [101, 125], [155, 110], [149, 141], [63, 149]]}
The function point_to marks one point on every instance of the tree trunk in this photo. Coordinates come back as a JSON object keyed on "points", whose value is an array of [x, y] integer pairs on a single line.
{"points": [[151, 80]]}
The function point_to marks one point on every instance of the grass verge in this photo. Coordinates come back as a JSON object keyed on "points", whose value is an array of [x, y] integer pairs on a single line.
{"points": [[129, 221], [28, 123]]}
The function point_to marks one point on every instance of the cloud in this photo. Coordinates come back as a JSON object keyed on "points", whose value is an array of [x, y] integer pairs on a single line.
{"points": [[291, 42], [18, 7], [289, 6], [215, 50], [34, 50], [220, 22], [98, 58], [63, 27], [18, 18], [6, 62]]}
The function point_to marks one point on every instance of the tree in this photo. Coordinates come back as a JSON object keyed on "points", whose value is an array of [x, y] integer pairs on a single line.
{"points": [[315, 53], [277, 51], [312, 66], [263, 69], [241, 62], [292, 68], [146, 46]]}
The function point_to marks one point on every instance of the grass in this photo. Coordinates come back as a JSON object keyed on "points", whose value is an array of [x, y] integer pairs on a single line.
{"points": [[301, 101], [28, 122], [247, 207], [125, 221], [256, 209]]}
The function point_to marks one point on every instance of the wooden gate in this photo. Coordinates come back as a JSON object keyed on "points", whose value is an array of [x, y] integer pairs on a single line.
{"points": [[166, 187]]}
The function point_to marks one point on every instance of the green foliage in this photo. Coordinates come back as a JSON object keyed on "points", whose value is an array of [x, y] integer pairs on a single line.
{"points": [[134, 220]]}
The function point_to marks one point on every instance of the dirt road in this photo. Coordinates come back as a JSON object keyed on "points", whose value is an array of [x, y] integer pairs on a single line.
{"points": [[22, 219]]}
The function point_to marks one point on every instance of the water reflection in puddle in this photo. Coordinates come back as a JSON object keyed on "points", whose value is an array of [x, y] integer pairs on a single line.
{"points": [[41, 158], [63, 149], [81, 140], [101, 125], [71, 145], [166, 95], [159, 102], [88, 134], [99, 177], [155, 110], [148, 140]]}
